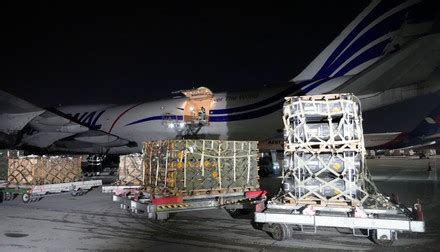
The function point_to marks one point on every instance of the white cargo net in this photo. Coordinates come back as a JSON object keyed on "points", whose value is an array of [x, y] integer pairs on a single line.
{"points": [[324, 151]]}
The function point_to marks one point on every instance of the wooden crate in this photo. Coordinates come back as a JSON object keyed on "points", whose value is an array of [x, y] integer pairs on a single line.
{"points": [[197, 167], [25, 171], [131, 170], [320, 202], [5, 154], [62, 169], [37, 170]]}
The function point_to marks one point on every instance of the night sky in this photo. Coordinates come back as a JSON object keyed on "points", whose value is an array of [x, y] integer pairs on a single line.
{"points": [[74, 54]]}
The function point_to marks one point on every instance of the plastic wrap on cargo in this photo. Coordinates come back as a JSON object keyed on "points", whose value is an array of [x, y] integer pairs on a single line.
{"points": [[322, 120], [131, 170], [324, 149], [319, 106], [330, 162], [316, 132]]}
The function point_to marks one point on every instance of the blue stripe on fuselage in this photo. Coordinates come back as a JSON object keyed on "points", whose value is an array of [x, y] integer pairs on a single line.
{"points": [[373, 52], [380, 9], [388, 25], [153, 118], [262, 111], [262, 103]]}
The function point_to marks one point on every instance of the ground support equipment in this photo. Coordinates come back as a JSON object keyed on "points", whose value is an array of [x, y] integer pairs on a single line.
{"points": [[160, 208], [31, 193]]}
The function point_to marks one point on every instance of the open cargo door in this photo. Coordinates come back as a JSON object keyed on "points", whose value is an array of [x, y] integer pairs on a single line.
{"points": [[197, 107]]}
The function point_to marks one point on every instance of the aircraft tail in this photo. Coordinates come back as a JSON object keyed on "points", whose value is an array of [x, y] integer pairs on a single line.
{"points": [[381, 28], [429, 127]]}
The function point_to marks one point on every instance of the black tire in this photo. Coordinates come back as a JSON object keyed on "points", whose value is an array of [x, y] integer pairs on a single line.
{"points": [[235, 213], [257, 225], [365, 232], [7, 196], [26, 198], [379, 241], [281, 232]]}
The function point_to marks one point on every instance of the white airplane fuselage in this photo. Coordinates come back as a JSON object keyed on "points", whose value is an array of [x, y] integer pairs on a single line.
{"points": [[247, 115]]}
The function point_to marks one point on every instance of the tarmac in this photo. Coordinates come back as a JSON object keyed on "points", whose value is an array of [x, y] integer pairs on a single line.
{"points": [[93, 222]]}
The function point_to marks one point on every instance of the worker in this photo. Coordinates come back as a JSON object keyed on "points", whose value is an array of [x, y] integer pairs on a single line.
{"points": [[202, 114]]}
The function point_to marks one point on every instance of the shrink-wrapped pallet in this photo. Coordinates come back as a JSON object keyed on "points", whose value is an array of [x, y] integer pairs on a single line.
{"points": [[322, 123], [197, 167], [131, 170]]}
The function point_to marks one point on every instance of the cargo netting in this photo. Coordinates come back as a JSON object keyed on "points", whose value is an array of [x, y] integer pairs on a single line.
{"points": [[324, 153]]}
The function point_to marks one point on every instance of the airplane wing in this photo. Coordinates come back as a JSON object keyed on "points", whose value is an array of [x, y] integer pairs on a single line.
{"points": [[15, 113], [419, 146], [382, 140], [408, 65], [24, 124], [395, 140]]}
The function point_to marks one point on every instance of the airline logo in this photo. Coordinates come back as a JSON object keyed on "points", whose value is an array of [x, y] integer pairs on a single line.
{"points": [[88, 119]]}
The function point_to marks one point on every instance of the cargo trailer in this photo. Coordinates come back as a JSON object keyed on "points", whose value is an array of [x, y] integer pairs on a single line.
{"points": [[34, 177], [189, 175]]}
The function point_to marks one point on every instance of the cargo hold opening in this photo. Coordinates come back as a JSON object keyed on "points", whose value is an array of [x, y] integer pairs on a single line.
{"points": [[197, 108]]}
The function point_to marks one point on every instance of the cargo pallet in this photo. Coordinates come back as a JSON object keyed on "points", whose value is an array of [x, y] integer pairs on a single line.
{"points": [[160, 208], [32, 193], [326, 182]]}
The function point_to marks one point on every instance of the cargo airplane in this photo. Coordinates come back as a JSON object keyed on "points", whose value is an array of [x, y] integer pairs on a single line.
{"points": [[389, 54]]}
